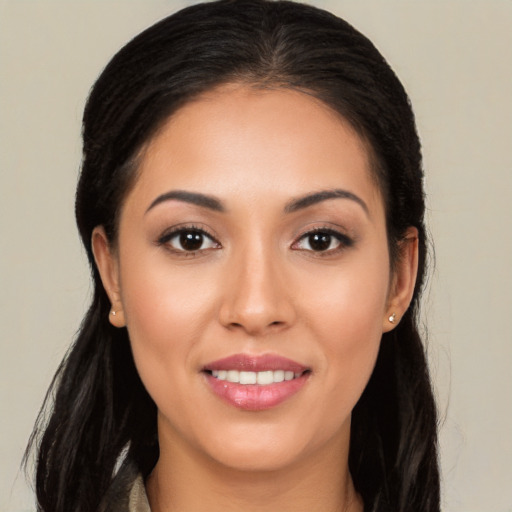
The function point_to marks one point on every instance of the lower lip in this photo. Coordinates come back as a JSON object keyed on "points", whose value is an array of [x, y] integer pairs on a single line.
{"points": [[253, 397]]}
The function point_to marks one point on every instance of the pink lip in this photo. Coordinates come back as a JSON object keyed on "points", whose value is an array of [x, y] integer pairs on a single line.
{"points": [[254, 397], [251, 363]]}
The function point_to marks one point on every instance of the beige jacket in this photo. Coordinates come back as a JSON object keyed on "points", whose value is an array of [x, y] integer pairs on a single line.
{"points": [[138, 500], [126, 493]]}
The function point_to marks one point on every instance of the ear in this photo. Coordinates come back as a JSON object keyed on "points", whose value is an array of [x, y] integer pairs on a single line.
{"points": [[108, 267], [403, 280]]}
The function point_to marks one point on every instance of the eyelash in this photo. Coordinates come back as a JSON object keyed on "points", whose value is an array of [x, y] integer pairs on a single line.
{"points": [[166, 238], [344, 242]]}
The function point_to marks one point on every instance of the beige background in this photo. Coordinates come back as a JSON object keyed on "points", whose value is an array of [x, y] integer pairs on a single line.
{"points": [[454, 58]]}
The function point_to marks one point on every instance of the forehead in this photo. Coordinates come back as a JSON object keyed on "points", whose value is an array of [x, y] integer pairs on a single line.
{"points": [[238, 139]]}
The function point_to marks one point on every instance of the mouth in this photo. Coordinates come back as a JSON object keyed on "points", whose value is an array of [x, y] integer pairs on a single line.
{"points": [[255, 383], [265, 378]]}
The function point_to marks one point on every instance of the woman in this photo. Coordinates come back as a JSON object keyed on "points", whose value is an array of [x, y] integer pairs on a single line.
{"points": [[251, 204]]}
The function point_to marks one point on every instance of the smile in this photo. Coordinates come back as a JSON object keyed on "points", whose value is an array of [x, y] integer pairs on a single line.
{"points": [[264, 378], [255, 383]]}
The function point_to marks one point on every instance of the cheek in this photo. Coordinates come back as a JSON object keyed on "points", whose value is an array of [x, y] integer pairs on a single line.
{"points": [[166, 310], [345, 311], [158, 294]]}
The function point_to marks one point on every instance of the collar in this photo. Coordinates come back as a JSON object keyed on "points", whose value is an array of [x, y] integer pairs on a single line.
{"points": [[138, 500]]}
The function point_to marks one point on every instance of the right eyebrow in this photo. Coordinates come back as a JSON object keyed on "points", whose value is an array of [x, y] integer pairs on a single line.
{"points": [[203, 200], [317, 197]]}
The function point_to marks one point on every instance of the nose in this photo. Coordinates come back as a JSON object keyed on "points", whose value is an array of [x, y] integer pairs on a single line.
{"points": [[257, 299]]}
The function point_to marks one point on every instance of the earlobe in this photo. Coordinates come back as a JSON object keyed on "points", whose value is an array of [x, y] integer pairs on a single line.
{"points": [[107, 264], [404, 280]]}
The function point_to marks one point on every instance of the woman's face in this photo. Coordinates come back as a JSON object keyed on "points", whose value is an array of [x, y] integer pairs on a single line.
{"points": [[253, 276]]}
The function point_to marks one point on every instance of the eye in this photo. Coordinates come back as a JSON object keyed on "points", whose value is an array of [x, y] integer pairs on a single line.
{"points": [[188, 240], [322, 241]]}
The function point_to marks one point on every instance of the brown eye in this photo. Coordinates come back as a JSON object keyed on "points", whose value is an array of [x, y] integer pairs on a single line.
{"points": [[323, 241], [320, 241], [189, 240]]}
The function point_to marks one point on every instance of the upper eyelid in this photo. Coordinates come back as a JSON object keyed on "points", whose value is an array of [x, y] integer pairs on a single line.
{"points": [[168, 234], [332, 230], [177, 228], [346, 241]]}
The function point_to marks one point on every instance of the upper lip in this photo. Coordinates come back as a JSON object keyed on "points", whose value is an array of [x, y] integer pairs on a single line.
{"points": [[255, 363]]}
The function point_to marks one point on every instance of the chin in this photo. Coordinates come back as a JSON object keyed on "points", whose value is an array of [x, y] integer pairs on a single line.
{"points": [[264, 448], [252, 460]]}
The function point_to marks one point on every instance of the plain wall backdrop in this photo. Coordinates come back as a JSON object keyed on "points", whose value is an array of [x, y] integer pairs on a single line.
{"points": [[454, 58]]}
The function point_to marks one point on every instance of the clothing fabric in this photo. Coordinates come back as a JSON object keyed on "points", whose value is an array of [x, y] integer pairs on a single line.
{"points": [[126, 492], [138, 500]]}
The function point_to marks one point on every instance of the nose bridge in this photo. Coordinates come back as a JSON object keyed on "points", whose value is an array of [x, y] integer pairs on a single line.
{"points": [[256, 297]]}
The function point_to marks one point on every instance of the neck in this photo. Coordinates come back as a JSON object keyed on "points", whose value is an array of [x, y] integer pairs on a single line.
{"points": [[184, 481]]}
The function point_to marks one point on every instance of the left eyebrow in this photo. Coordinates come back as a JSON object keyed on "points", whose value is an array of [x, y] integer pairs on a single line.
{"points": [[324, 195], [203, 200]]}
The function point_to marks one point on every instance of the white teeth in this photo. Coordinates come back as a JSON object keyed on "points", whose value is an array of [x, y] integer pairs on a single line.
{"points": [[262, 378], [247, 378], [233, 376], [265, 378], [279, 376]]}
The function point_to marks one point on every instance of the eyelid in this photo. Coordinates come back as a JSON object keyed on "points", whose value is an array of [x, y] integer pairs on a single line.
{"points": [[345, 241], [174, 231]]}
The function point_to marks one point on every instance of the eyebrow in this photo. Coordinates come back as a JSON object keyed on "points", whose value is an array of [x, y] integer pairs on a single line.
{"points": [[203, 200], [324, 195], [212, 203]]}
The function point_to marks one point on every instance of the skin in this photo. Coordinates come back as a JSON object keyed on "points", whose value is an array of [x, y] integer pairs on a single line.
{"points": [[256, 287]]}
